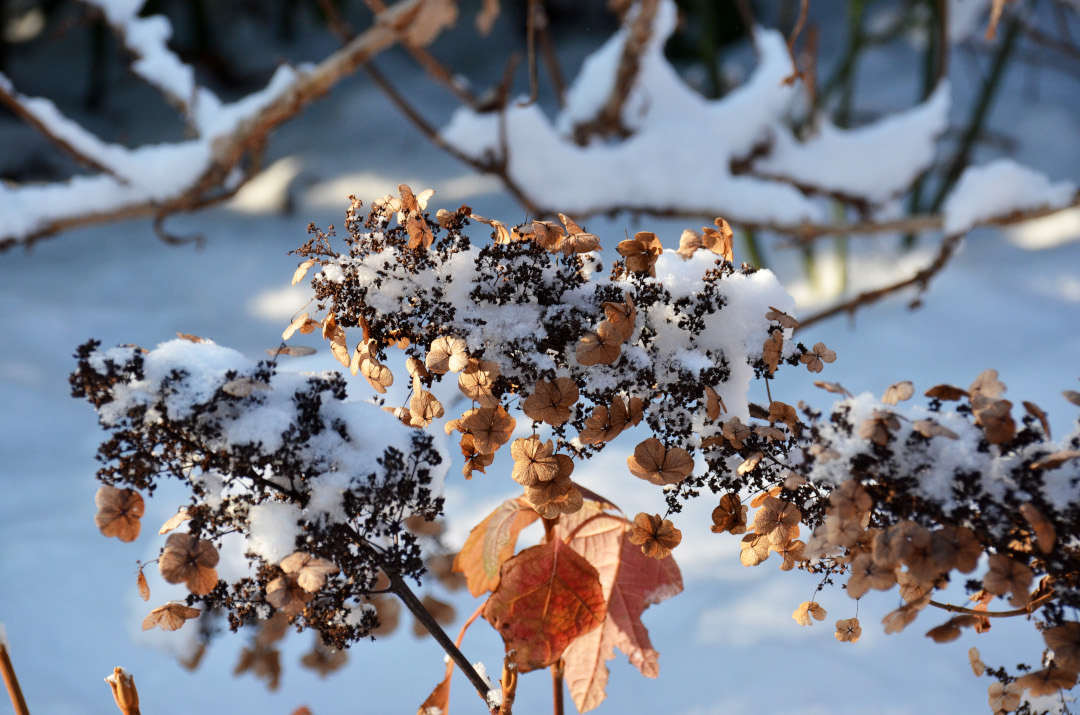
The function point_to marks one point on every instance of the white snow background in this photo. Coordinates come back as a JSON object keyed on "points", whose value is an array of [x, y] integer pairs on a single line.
{"points": [[1010, 300]]}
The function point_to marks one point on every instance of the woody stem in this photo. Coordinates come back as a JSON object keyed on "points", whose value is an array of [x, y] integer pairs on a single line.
{"points": [[1026, 610], [12, 683], [557, 686]]}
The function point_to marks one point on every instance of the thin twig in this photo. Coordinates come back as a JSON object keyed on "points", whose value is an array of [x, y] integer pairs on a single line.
{"points": [[530, 42], [557, 687], [746, 14], [1026, 610], [804, 5], [12, 682], [921, 278], [551, 58]]}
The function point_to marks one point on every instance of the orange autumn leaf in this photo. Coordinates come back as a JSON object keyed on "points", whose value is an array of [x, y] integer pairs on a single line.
{"points": [[439, 700], [491, 542], [631, 582], [547, 596]]}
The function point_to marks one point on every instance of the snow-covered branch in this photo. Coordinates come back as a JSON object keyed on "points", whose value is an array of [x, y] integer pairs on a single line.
{"points": [[160, 179]]}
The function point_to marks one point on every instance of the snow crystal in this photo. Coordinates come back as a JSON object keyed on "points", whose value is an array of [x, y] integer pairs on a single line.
{"points": [[999, 188], [273, 530]]}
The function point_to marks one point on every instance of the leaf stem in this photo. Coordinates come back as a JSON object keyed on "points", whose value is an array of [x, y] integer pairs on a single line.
{"points": [[1026, 610], [12, 682], [557, 686]]}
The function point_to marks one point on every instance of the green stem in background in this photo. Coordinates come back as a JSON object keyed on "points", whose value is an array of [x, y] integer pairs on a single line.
{"points": [[753, 249], [856, 43], [707, 48], [841, 244]]}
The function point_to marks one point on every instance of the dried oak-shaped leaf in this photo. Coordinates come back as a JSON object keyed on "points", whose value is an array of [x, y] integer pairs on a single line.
{"points": [[144, 588], [119, 512], [818, 354], [388, 610], [490, 427], [447, 353], [659, 465], [602, 347], [547, 596], [898, 392], [170, 616], [848, 630], [781, 317], [806, 611], [285, 594], [301, 270], [491, 542], [641, 252], [656, 536], [631, 581], [189, 561], [1047, 681], [929, 429], [550, 402], [772, 349], [311, 572], [439, 699], [1043, 528], [729, 515]]}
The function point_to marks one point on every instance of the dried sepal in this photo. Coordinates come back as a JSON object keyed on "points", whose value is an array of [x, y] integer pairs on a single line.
{"points": [[783, 412], [577, 240], [729, 515], [303, 324], [808, 610], [1035, 411], [534, 461], [986, 385], [301, 270], [660, 465], [929, 429], [833, 387], [900, 618], [749, 464], [477, 381], [292, 351], [1007, 575], [1004, 697], [1047, 681], [656, 536], [995, 417], [689, 242], [144, 588], [772, 350], [848, 630], [1072, 396], [1043, 528], [474, 461], [714, 405], [287, 595], [735, 432], [879, 427], [792, 552], [1064, 640], [119, 512], [754, 549], [602, 347], [977, 666], [719, 240], [641, 252], [244, 386], [447, 354], [898, 392], [423, 408], [170, 617], [1055, 460], [490, 427]]}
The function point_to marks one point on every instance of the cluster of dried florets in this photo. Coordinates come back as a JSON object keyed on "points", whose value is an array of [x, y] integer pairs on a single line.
{"points": [[277, 460]]}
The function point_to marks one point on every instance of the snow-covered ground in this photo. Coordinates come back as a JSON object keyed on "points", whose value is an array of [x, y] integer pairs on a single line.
{"points": [[1010, 301]]}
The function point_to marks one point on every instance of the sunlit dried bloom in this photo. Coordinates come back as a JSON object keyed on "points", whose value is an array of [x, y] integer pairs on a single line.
{"points": [[755, 549], [447, 353], [656, 536], [622, 316], [950, 630], [534, 461], [1064, 640], [549, 235], [866, 575], [689, 242], [713, 404], [303, 323], [600, 427], [783, 412], [781, 317], [170, 617], [1007, 575], [879, 427], [735, 432], [477, 380], [660, 465], [719, 240], [490, 427], [772, 349], [929, 429], [1047, 681], [550, 402], [792, 552], [816, 356], [474, 461], [189, 561], [946, 393], [285, 594], [840, 531], [995, 417], [779, 520], [641, 252], [898, 392], [1004, 697], [808, 610], [848, 630], [311, 572], [730, 515], [577, 240], [423, 408], [600, 348], [1072, 396], [124, 692], [554, 497], [1055, 460], [770, 433], [955, 547], [119, 512], [749, 464], [762, 496]]}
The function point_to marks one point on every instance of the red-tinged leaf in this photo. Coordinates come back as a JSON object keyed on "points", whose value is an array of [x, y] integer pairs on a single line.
{"points": [[491, 542], [547, 596], [631, 582], [439, 700]]}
